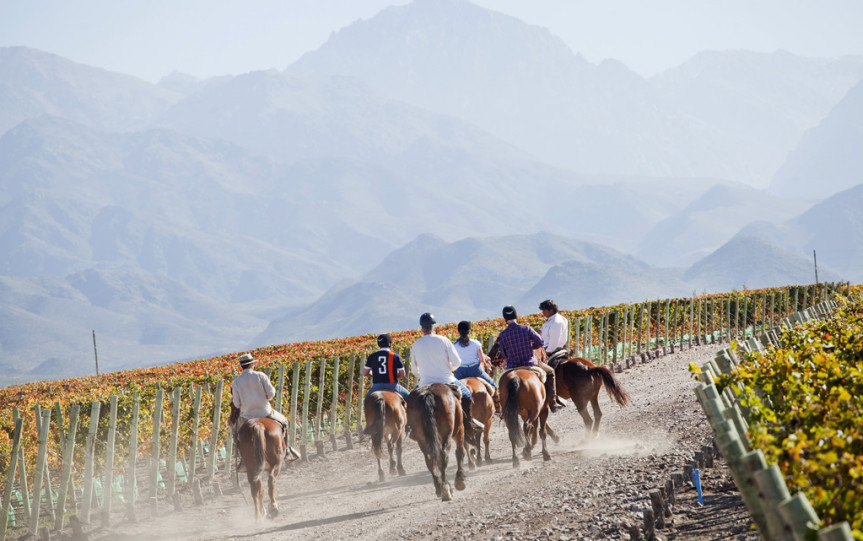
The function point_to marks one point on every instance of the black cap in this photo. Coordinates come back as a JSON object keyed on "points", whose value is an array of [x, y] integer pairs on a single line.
{"points": [[427, 320], [463, 327], [509, 313], [385, 341]]}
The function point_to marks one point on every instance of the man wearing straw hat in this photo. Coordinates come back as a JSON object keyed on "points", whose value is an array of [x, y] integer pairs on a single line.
{"points": [[251, 392]]}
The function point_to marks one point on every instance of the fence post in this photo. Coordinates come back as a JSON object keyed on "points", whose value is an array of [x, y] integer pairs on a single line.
{"points": [[10, 475], [89, 460], [131, 468], [214, 433], [307, 389], [319, 415], [156, 445], [68, 457], [40, 469], [335, 403], [108, 485], [196, 420], [295, 387], [171, 482], [280, 387], [349, 401]]}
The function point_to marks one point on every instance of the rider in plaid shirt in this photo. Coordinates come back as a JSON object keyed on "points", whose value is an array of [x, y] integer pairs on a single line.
{"points": [[517, 343]]}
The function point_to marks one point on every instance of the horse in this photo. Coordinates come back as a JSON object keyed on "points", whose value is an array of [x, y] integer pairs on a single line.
{"points": [[262, 448], [483, 410], [435, 418], [581, 381], [386, 419], [522, 394]]}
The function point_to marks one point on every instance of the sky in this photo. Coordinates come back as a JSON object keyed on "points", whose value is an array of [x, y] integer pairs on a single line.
{"points": [[153, 38]]}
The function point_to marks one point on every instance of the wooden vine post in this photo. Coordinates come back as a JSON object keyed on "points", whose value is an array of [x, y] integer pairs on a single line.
{"points": [[10, 474], [349, 402], [295, 387], [196, 420], [307, 389], [214, 433], [130, 477], [334, 405], [89, 461], [66, 475], [155, 440], [40, 469], [319, 411], [170, 483], [108, 484]]}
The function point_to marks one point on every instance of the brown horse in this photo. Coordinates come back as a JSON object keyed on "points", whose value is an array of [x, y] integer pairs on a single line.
{"points": [[581, 381], [522, 394], [435, 418], [482, 410], [262, 448], [386, 418]]}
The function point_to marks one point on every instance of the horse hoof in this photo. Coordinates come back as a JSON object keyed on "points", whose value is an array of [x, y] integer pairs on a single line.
{"points": [[546, 457], [381, 477], [447, 493], [273, 512], [459, 484], [471, 466], [515, 463], [402, 472]]}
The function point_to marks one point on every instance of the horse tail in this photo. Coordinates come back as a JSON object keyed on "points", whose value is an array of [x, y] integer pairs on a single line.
{"points": [[426, 403], [510, 412], [377, 428], [615, 392]]}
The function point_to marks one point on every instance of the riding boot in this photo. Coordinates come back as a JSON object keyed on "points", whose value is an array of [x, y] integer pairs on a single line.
{"points": [[551, 392], [471, 425], [290, 453]]}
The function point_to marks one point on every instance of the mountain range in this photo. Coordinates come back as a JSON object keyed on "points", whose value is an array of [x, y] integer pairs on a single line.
{"points": [[439, 156]]}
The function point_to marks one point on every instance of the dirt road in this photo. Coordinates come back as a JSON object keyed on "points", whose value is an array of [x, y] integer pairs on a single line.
{"points": [[591, 489]]}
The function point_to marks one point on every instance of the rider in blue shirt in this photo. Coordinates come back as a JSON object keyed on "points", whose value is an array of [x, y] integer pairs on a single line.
{"points": [[386, 368]]}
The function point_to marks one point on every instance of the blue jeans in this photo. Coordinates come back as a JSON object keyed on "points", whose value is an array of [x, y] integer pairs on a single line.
{"points": [[465, 391], [473, 371], [389, 387]]}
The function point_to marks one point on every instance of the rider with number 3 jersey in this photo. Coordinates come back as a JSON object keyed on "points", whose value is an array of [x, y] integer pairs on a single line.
{"points": [[386, 368]]}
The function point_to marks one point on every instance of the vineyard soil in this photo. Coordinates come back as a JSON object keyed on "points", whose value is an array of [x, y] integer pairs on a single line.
{"points": [[591, 489]]}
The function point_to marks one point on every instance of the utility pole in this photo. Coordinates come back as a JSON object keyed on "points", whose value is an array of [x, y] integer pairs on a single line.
{"points": [[815, 258], [95, 353]]}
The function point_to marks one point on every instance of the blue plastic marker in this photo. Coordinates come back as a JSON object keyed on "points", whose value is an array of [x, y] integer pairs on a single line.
{"points": [[696, 480]]}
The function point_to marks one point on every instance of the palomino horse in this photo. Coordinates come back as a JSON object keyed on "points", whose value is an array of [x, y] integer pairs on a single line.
{"points": [[483, 409], [581, 380], [522, 394], [435, 418], [385, 420], [262, 448]]}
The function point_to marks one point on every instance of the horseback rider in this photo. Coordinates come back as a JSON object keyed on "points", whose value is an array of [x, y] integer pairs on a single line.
{"points": [[251, 393], [470, 352], [433, 359], [517, 343], [555, 335], [386, 368]]}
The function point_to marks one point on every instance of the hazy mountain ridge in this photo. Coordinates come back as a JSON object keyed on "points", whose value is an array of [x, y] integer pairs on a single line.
{"points": [[180, 219], [828, 157]]}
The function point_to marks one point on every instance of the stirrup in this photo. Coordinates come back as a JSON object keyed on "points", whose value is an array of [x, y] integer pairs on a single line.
{"points": [[291, 453]]}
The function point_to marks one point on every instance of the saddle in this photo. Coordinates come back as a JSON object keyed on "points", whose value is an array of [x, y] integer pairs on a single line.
{"points": [[558, 355], [536, 370]]}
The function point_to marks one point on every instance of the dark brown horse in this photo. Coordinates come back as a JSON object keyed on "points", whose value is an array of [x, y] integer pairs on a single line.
{"points": [[482, 410], [435, 418], [386, 418], [262, 448], [581, 381], [522, 394]]}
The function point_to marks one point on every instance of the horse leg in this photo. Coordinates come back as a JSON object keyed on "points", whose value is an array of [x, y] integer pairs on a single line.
{"points": [[486, 439], [274, 507], [446, 489], [543, 430], [256, 487], [530, 438], [585, 416], [435, 478], [399, 466], [392, 458], [381, 476], [460, 448], [597, 413], [551, 432]]}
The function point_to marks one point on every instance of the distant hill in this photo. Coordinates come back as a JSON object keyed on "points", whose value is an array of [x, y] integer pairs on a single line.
{"points": [[750, 262], [828, 159], [710, 221], [34, 83], [833, 229], [468, 279]]}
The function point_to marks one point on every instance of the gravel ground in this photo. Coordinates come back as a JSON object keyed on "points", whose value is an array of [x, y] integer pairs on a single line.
{"points": [[591, 489]]}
